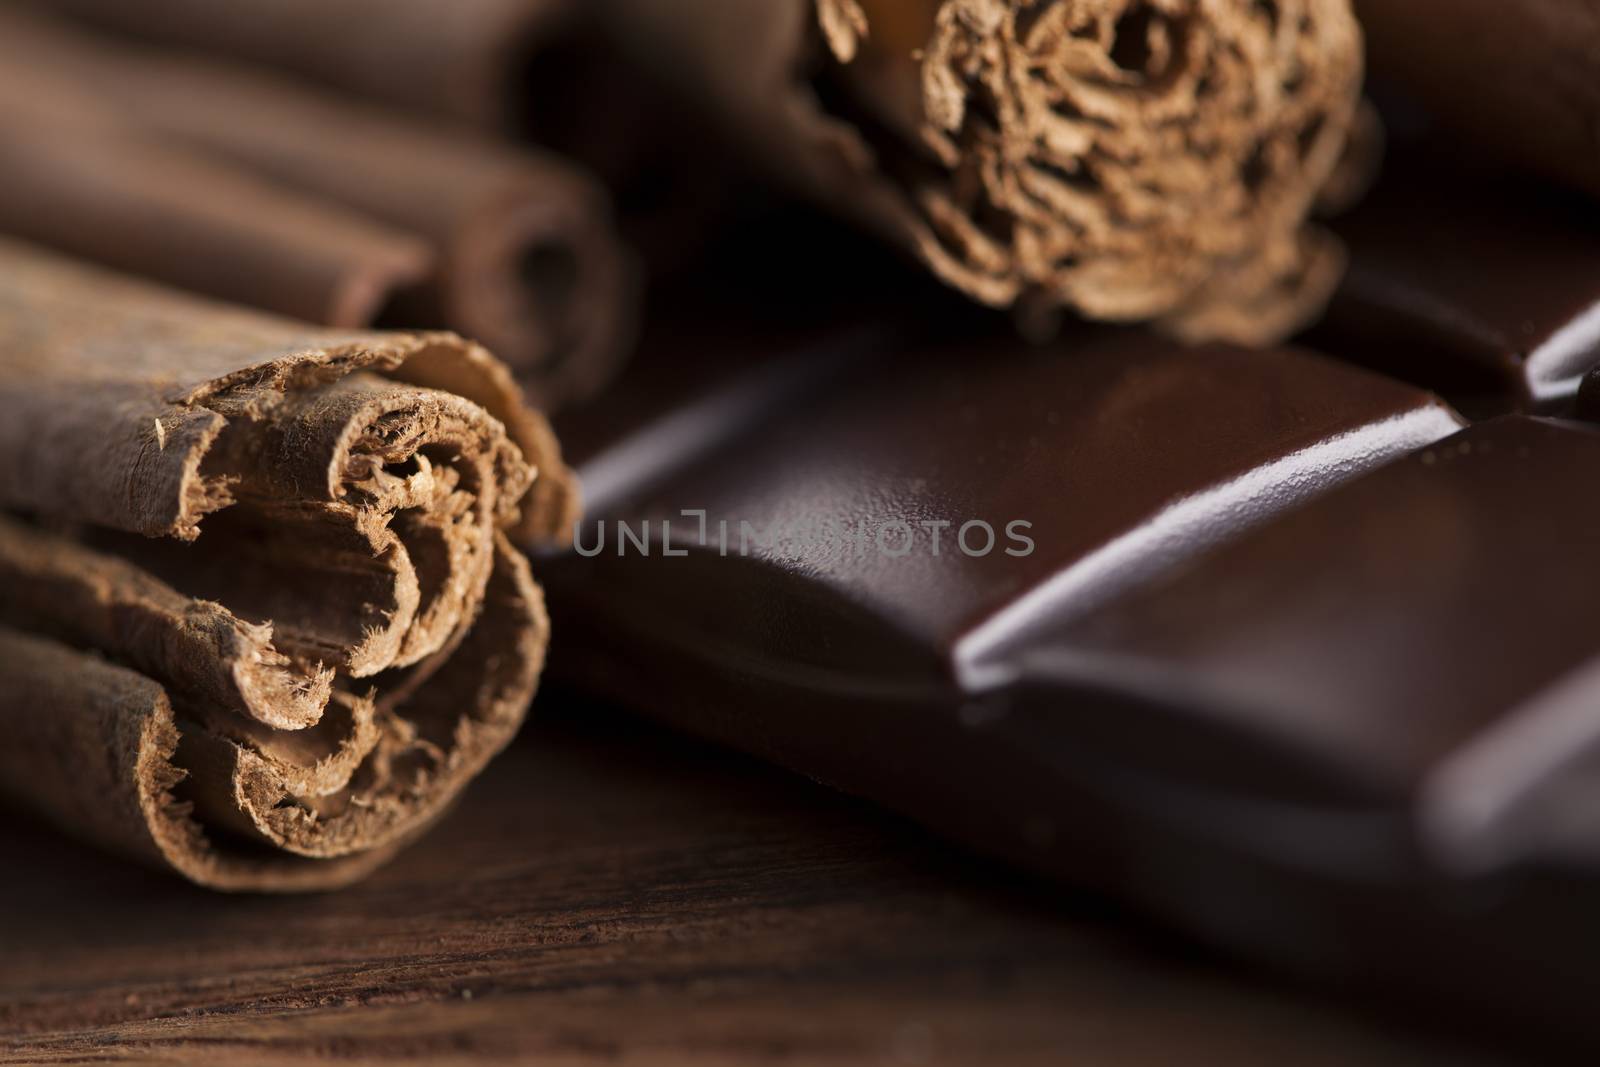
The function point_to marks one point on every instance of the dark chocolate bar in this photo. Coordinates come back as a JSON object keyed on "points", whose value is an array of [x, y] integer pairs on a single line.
{"points": [[1481, 287], [938, 505], [1281, 654], [1362, 738], [1423, 634], [876, 564]]}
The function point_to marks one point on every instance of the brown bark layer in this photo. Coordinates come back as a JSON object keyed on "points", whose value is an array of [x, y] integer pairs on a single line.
{"points": [[1521, 80], [524, 257], [323, 632], [1130, 159], [1127, 159], [464, 59], [75, 178]]}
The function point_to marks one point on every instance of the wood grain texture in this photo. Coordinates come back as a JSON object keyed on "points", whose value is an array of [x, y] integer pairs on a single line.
{"points": [[612, 894]]}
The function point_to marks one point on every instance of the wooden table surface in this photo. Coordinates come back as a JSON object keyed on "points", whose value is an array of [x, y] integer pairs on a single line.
{"points": [[609, 893]]}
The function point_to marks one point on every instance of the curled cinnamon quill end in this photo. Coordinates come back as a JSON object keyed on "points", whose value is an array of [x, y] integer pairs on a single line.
{"points": [[1130, 159], [262, 617]]}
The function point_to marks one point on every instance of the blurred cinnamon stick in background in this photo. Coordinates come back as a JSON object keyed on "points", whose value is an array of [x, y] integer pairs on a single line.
{"points": [[1126, 159], [464, 60], [1129, 159], [523, 254], [323, 632], [77, 179]]}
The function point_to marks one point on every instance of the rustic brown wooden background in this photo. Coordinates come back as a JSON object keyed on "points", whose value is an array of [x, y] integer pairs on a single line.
{"points": [[609, 893]]}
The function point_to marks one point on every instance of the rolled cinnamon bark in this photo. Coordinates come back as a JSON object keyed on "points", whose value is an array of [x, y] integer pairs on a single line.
{"points": [[525, 258], [73, 177], [532, 68], [323, 632], [464, 59], [1522, 80], [1131, 159]]}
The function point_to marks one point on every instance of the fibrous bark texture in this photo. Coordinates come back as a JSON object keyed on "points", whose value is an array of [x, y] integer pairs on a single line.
{"points": [[1129, 159], [260, 614]]}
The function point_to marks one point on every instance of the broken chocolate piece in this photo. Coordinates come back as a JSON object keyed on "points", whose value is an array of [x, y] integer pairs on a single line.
{"points": [[1418, 633], [1483, 288], [912, 529], [1361, 738], [1352, 734]]}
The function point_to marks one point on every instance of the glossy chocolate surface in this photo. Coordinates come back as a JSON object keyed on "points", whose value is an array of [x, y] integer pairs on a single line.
{"points": [[1483, 288], [933, 507], [1427, 629], [1296, 663], [788, 622]]}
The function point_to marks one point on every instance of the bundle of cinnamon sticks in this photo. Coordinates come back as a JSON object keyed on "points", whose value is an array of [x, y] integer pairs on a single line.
{"points": [[257, 189], [1125, 159], [263, 617]]}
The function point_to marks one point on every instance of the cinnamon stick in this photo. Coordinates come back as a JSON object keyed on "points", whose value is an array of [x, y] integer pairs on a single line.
{"points": [[73, 177], [464, 60], [1521, 80], [1130, 159], [525, 258], [323, 632]]}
